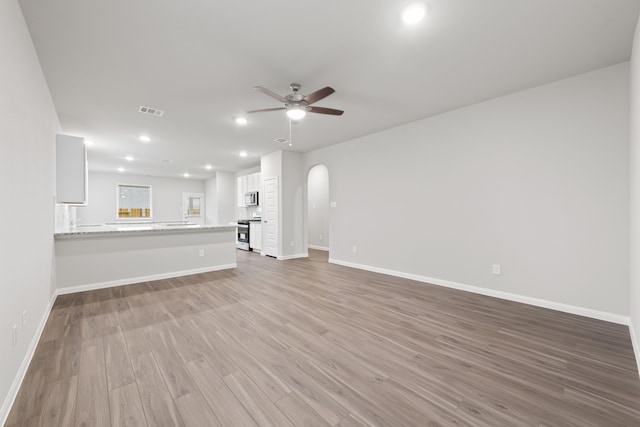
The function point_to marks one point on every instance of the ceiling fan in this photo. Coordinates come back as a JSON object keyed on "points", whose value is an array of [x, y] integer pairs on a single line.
{"points": [[297, 105]]}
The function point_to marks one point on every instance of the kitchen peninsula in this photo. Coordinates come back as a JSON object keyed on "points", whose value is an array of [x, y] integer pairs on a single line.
{"points": [[96, 256]]}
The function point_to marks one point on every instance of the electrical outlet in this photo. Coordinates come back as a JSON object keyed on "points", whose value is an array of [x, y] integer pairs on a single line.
{"points": [[334, 204], [292, 243], [355, 249], [321, 237], [14, 335], [24, 319], [496, 269], [201, 253]]}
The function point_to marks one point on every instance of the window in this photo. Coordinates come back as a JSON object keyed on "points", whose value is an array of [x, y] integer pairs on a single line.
{"points": [[134, 201]]}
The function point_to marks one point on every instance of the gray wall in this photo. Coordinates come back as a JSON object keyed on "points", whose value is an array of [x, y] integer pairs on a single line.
{"points": [[166, 196], [28, 124], [318, 206], [634, 292], [536, 181]]}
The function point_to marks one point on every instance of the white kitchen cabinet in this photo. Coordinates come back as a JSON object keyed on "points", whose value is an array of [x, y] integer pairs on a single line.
{"points": [[255, 236], [71, 170], [254, 182], [241, 188], [245, 184]]}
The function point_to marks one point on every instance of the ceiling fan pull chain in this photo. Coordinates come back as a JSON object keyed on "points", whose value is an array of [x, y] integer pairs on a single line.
{"points": [[290, 140]]}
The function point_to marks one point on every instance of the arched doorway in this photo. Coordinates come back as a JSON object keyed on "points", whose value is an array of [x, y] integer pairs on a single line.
{"points": [[318, 208]]}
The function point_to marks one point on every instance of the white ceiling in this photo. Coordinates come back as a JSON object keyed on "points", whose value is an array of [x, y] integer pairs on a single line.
{"points": [[199, 59]]}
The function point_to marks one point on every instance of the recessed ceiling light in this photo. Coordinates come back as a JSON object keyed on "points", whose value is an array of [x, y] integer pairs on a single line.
{"points": [[144, 138], [166, 161], [240, 120], [129, 158], [296, 113], [208, 167], [120, 169], [414, 13], [186, 175], [243, 154], [88, 142]]}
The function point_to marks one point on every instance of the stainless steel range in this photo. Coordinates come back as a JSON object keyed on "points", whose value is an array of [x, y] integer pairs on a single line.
{"points": [[243, 235]]}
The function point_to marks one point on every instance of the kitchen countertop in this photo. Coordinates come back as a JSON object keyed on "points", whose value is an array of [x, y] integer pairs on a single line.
{"points": [[135, 228]]}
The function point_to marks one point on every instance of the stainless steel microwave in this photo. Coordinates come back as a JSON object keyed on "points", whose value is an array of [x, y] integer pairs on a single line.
{"points": [[251, 198]]}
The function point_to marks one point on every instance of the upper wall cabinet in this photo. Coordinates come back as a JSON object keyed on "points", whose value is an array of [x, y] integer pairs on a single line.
{"points": [[71, 170], [241, 188], [245, 184]]}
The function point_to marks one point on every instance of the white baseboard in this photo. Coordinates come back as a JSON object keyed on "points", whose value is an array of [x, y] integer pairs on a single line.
{"points": [[635, 344], [581, 311], [294, 256], [17, 381], [318, 248], [132, 280]]}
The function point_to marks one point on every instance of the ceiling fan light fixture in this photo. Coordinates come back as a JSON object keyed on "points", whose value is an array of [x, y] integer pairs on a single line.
{"points": [[414, 13], [296, 113]]}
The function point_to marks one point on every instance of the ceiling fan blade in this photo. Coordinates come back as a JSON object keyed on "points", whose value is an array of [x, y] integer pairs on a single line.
{"points": [[266, 109], [318, 95], [323, 110], [271, 94]]}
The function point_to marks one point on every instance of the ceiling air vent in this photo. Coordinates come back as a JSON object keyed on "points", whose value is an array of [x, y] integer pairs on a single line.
{"points": [[280, 140], [150, 111]]}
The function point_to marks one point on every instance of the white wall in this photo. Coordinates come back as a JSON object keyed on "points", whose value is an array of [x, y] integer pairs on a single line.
{"points": [[226, 184], [318, 206], [293, 197], [94, 262], [287, 167], [211, 200], [220, 197], [28, 124], [536, 181], [271, 166], [634, 163], [166, 196]]}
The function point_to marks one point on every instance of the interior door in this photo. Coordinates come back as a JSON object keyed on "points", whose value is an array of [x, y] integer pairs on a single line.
{"points": [[270, 209], [193, 207]]}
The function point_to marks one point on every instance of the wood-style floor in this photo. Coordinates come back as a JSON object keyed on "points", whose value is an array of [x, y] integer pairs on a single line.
{"points": [[307, 343]]}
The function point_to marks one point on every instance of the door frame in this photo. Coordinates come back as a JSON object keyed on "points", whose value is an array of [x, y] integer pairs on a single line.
{"points": [[265, 218], [199, 219]]}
